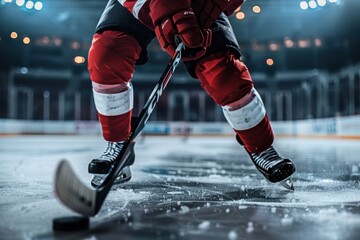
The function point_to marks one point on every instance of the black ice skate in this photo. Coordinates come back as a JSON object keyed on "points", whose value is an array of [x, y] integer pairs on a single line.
{"points": [[275, 168], [102, 165]]}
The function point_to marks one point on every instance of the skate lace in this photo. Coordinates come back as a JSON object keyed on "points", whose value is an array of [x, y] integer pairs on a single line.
{"points": [[267, 159], [112, 151]]}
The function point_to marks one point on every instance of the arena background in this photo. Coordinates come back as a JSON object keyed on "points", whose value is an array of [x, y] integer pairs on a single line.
{"points": [[304, 56], [304, 60]]}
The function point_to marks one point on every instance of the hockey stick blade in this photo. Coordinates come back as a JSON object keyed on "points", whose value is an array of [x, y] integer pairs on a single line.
{"points": [[73, 192]]}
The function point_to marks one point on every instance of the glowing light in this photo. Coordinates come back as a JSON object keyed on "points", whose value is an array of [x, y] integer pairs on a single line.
{"points": [[321, 3], [256, 9], [304, 5], [24, 70], [8, 1], [269, 61], [13, 35], [79, 59], [318, 42], [274, 47], [26, 40], [29, 4], [240, 15], [312, 4], [304, 43], [333, 1], [57, 41], [38, 6], [289, 43], [20, 2], [44, 41], [75, 45]]}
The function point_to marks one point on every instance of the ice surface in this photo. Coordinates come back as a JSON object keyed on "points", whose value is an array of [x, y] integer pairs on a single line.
{"points": [[203, 188]]}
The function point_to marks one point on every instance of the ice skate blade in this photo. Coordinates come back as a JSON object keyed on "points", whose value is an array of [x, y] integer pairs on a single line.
{"points": [[123, 177], [288, 184]]}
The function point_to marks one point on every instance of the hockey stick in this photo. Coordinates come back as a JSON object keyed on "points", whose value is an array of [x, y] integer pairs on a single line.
{"points": [[87, 201]]}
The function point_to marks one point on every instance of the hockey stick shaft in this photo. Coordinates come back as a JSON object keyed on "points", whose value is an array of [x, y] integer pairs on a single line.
{"points": [[157, 91], [144, 116], [77, 196], [69, 188]]}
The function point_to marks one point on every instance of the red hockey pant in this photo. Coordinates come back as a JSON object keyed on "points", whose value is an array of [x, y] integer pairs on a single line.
{"points": [[225, 78]]}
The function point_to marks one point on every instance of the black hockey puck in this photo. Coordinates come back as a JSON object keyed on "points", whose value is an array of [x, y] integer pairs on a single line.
{"points": [[73, 223]]}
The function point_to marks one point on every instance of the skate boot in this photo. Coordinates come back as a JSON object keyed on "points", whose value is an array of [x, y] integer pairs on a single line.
{"points": [[275, 168], [102, 165]]}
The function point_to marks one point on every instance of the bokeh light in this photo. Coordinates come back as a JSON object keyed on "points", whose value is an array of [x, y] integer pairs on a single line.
{"points": [[240, 15], [13, 35], [26, 40], [270, 61], [79, 59]]}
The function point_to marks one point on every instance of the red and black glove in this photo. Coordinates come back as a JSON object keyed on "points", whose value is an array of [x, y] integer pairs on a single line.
{"points": [[176, 18], [207, 11]]}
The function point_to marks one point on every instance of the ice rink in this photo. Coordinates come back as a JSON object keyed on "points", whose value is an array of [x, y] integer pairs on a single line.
{"points": [[200, 188]]}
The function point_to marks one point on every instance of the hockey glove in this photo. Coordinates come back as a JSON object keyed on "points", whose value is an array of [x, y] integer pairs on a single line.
{"points": [[176, 18]]}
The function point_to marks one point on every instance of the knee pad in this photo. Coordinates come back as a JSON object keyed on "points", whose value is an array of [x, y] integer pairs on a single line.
{"points": [[112, 57], [246, 112], [224, 77]]}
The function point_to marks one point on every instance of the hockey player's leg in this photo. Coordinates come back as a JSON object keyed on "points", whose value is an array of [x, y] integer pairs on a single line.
{"points": [[227, 80], [112, 57]]}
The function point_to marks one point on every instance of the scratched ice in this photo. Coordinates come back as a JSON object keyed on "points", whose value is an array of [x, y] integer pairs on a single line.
{"points": [[201, 188]]}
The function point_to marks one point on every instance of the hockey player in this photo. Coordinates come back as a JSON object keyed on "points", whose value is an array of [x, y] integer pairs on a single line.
{"points": [[212, 54]]}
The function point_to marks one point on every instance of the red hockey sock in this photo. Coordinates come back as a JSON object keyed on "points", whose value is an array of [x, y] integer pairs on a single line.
{"points": [[112, 58], [227, 80], [258, 138]]}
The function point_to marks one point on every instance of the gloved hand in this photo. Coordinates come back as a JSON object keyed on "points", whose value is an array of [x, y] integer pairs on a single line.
{"points": [[172, 18], [207, 11]]}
